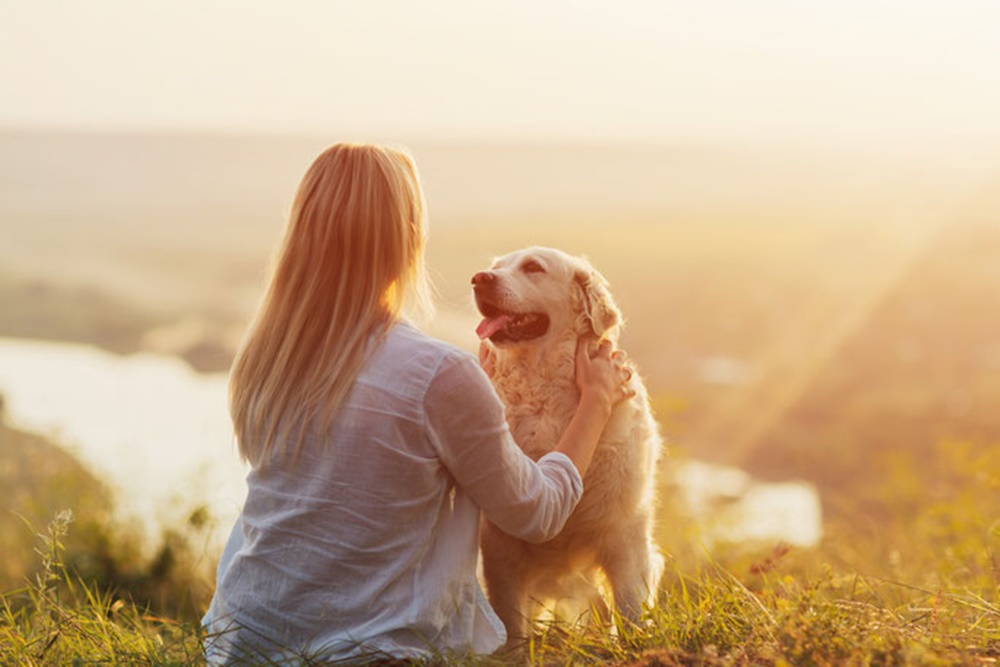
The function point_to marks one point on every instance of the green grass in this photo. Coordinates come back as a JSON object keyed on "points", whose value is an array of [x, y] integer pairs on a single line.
{"points": [[39, 479], [918, 586], [58, 619]]}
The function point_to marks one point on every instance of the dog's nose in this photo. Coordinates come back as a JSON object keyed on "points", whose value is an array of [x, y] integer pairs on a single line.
{"points": [[483, 278]]}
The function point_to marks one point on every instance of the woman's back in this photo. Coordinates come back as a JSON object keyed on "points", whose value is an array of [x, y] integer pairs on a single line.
{"points": [[357, 538]]}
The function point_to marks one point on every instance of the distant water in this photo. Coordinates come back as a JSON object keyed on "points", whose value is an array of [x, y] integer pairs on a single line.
{"points": [[160, 435], [157, 432], [728, 505]]}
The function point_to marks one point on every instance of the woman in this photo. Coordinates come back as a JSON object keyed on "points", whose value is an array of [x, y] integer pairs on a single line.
{"points": [[373, 447]]}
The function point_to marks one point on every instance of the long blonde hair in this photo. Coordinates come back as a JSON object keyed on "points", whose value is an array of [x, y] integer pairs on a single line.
{"points": [[351, 259]]}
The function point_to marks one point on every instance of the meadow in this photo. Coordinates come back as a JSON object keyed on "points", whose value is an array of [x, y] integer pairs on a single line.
{"points": [[922, 587], [851, 312]]}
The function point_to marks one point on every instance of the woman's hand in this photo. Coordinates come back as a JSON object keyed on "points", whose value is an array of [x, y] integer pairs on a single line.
{"points": [[603, 376], [604, 380]]}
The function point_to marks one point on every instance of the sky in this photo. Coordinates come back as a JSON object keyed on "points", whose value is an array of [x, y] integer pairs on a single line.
{"points": [[894, 72]]}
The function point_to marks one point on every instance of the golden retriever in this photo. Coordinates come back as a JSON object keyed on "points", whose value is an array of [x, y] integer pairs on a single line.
{"points": [[536, 304]]}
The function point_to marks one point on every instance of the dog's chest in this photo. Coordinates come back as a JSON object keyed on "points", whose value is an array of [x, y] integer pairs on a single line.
{"points": [[539, 408], [537, 434]]}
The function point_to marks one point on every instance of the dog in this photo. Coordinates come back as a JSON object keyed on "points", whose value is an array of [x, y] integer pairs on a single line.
{"points": [[536, 304]]}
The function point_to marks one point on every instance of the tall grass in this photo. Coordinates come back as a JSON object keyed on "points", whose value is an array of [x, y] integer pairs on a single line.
{"points": [[59, 619], [170, 575], [918, 585]]}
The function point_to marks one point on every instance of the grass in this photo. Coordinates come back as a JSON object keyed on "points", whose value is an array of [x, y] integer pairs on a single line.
{"points": [[38, 480], [918, 588], [58, 619]]}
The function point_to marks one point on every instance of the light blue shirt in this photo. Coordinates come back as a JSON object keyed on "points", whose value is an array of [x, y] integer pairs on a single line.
{"points": [[369, 543]]}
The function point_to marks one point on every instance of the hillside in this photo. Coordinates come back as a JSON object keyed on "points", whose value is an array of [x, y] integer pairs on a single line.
{"points": [[919, 369], [923, 369], [41, 483], [37, 480]]}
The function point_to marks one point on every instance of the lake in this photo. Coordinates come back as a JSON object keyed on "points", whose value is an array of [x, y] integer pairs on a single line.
{"points": [[159, 434], [154, 430]]}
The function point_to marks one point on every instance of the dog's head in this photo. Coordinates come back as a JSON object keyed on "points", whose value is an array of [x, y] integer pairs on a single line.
{"points": [[535, 294]]}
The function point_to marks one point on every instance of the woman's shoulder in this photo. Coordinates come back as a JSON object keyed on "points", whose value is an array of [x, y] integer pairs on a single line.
{"points": [[408, 353], [446, 374], [406, 336]]}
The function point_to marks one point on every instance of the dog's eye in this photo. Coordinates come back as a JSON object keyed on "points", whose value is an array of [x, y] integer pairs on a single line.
{"points": [[531, 266]]}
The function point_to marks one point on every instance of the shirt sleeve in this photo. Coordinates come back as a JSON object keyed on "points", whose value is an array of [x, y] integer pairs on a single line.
{"points": [[466, 423]]}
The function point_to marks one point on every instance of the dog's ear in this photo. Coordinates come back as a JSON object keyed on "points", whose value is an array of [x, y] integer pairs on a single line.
{"points": [[599, 308]]}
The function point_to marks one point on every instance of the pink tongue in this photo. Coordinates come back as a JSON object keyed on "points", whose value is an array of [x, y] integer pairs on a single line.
{"points": [[491, 325]]}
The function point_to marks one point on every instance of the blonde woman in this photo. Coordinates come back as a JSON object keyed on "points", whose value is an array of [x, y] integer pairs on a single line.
{"points": [[373, 448]]}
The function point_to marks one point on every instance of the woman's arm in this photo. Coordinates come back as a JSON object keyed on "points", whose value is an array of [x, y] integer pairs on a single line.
{"points": [[601, 384], [467, 425]]}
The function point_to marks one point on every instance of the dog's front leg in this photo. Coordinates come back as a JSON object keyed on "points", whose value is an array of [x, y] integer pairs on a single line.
{"points": [[503, 572], [633, 570]]}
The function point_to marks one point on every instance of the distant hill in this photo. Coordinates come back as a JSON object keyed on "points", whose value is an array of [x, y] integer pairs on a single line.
{"points": [[182, 225], [919, 370], [160, 216]]}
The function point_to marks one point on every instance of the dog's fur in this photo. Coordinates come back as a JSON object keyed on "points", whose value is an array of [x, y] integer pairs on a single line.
{"points": [[610, 531]]}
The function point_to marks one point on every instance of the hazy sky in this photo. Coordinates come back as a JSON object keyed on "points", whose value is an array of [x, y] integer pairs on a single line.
{"points": [[839, 71]]}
